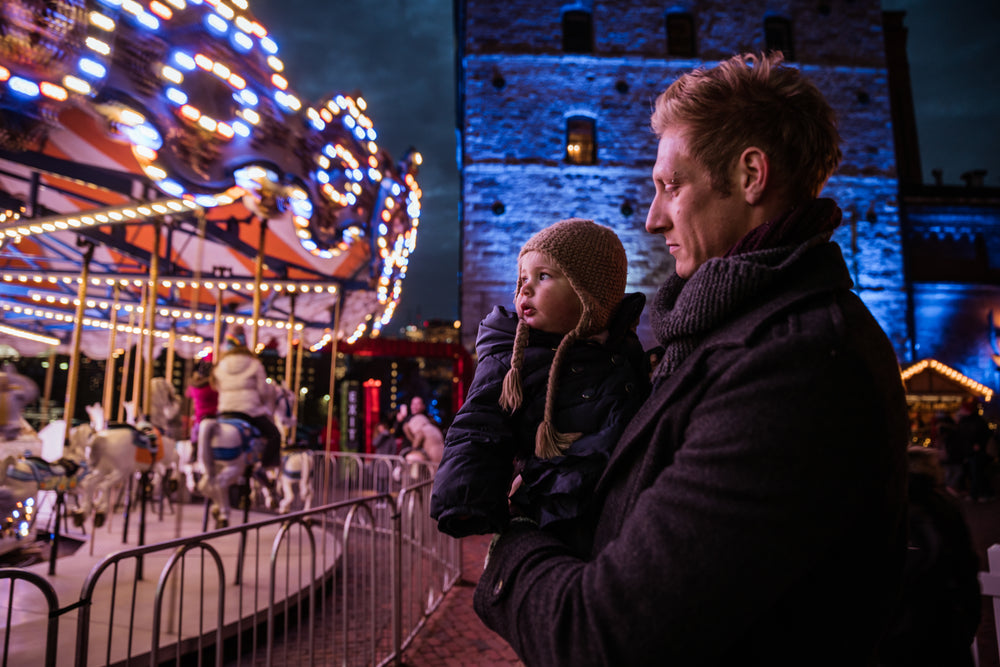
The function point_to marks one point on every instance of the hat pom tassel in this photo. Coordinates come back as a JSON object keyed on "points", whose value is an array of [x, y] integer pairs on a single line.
{"points": [[510, 395], [549, 442]]}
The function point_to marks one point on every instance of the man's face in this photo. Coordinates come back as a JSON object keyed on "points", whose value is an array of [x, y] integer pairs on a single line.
{"points": [[546, 300], [416, 405], [697, 222]]}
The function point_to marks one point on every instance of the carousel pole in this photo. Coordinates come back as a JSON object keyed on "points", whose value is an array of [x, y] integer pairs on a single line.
{"points": [[140, 341], [333, 369], [109, 367], [154, 279], [289, 367], [71, 386], [218, 327], [290, 340], [47, 393], [74, 359], [257, 277], [168, 372], [125, 364], [298, 382]]}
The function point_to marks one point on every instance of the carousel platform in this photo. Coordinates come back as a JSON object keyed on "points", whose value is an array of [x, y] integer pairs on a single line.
{"points": [[130, 626]]}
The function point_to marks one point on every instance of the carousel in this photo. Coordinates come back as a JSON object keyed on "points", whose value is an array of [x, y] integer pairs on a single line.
{"points": [[160, 181]]}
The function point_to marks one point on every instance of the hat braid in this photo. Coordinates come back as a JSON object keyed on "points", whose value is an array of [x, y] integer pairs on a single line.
{"points": [[511, 395], [548, 441]]}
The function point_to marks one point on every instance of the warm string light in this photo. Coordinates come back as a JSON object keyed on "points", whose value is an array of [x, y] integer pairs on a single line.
{"points": [[126, 280], [17, 229], [949, 373], [92, 322], [28, 335]]}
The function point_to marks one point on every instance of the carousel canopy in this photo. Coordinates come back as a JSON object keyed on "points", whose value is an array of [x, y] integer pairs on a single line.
{"points": [[159, 175]]}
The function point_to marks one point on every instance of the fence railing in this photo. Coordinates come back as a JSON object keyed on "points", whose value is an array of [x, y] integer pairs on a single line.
{"points": [[349, 581]]}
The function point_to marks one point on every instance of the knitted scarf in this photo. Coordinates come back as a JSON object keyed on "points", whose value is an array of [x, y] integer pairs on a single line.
{"points": [[684, 311]]}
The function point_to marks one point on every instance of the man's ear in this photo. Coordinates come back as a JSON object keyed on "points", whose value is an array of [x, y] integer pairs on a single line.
{"points": [[754, 171]]}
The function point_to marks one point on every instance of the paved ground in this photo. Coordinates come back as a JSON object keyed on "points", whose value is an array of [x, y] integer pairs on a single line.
{"points": [[454, 636], [984, 522]]}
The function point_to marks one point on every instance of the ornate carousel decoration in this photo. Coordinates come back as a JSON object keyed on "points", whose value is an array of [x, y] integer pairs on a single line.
{"points": [[197, 90]]}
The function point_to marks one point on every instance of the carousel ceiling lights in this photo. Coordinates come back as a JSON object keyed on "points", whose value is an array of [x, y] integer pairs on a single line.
{"points": [[167, 312], [18, 228], [28, 335], [200, 94], [92, 322], [135, 280]]}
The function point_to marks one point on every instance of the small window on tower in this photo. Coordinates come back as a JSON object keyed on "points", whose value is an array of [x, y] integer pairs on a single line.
{"points": [[680, 34], [778, 36], [577, 31], [581, 140]]}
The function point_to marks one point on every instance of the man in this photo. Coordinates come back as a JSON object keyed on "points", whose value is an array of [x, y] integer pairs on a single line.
{"points": [[752, 512]]}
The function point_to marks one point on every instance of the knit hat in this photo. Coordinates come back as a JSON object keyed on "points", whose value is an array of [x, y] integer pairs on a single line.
{"points": [[235, 337], [592, 258]]}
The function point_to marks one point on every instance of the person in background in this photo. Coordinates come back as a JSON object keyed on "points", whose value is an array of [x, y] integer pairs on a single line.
{"points": [[554, 386], [423, 435], [753, 512], [384, 441], [976, 435], [204, 397], [939, 609], [241, 381]]}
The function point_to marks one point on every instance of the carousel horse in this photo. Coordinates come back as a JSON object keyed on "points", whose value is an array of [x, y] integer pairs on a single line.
{"points": [[295, 477], [116, 453], [165, 416], [23, 477], [284, 411], [16, 391], [230, 452]]}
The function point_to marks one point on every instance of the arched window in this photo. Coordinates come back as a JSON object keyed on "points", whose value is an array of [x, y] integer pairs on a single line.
{"points": [[577, 31], [581, 140], [680, 34], [778, 36]]}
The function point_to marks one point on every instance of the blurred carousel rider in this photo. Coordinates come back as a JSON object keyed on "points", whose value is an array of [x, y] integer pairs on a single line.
{"points": [[241, 381], [204, 397]]}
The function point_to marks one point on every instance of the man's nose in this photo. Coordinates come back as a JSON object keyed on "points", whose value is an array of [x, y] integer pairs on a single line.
{"points": [[654, 219]]}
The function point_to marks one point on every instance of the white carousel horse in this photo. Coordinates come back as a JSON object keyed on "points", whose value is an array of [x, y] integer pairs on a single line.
{"points": [[25, 476], [295, 477], [228, 450], [16, 391], [116, 454], [165, 416], [284, 411]]}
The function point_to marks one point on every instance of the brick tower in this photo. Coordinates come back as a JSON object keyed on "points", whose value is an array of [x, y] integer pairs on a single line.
{"points": [[554, 101]]}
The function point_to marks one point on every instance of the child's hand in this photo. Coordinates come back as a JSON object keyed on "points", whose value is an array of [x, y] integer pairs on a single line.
{"points": [[514, 486]]}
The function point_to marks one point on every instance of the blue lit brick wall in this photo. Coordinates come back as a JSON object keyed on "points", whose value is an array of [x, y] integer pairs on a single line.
{"points": [[518, 88]]}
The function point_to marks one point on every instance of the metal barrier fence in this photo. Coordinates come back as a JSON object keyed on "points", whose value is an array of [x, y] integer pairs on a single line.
{"points": [[350, 581]]}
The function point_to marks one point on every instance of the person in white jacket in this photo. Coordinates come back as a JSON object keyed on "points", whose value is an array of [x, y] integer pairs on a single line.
{"points": [[241, 381]]}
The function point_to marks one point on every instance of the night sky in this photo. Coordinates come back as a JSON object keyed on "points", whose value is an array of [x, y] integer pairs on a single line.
{"points": [[399, 54]]}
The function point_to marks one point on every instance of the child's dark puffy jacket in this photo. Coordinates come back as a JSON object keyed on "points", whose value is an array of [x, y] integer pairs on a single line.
{"points": [[601, 385]]}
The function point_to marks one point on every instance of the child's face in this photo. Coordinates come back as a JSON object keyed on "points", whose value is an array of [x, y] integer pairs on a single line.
{"points": [[546, 300]]}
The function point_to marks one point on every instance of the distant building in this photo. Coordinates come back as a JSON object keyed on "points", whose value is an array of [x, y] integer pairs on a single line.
{"points": [[553, 113]]}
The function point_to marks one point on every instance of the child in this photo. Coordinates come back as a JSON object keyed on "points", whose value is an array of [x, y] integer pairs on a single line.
{"points": [[204, 397], [554, 387], [241, 381]]}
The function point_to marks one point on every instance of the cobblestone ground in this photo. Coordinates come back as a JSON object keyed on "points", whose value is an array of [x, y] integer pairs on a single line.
{"points": [[984, 522], [454, 636]]}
